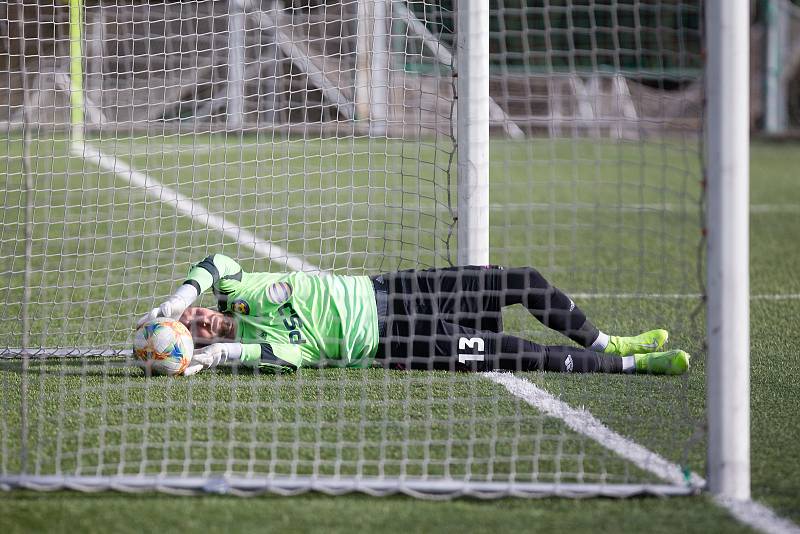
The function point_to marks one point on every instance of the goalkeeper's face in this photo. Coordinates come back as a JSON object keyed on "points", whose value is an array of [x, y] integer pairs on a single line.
{"points": [[208, 326]]}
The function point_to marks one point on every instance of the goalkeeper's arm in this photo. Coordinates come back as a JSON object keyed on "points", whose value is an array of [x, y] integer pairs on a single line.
{"points": [[264, 356], [216, 270]]}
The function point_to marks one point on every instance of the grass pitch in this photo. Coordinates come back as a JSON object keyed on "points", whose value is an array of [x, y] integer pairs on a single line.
{"points": [[598, 219]]}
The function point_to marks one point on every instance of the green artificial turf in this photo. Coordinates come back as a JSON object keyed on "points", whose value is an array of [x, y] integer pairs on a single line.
{"points": [[65, 512], [611, 222]]}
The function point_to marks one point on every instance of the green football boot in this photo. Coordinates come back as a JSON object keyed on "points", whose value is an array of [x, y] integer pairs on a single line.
{"points": [[671, 362], [651, 341]]}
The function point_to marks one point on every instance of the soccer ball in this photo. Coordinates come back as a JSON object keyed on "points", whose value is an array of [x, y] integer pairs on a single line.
{"points": [[163, 346]]}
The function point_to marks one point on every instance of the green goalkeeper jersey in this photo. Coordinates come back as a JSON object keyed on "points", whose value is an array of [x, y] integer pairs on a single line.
{"points": [[295, 318]]}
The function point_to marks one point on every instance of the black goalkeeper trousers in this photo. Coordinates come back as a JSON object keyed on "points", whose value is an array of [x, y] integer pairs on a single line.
{"points": [[451, 319]]}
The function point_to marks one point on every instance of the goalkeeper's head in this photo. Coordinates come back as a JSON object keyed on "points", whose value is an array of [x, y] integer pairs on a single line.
{"points": [[208, 326]]}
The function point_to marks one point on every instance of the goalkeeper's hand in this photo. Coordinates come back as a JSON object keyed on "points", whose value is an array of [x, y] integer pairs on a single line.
{"points": [[173, 307], [212, 356]]}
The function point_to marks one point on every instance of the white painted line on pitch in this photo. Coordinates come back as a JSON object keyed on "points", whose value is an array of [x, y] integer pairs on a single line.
{"points": [[654, 207], [585, 423], [676, 296], [788, 296], [630, 296], [748, 512], [136, 149], [758, 516], [775, 208], [189, 207]]}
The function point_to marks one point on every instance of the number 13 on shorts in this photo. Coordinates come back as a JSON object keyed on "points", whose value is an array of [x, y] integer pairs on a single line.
{"points": [[473, 344]]}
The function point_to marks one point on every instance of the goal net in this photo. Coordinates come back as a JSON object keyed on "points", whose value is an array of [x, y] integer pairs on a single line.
{"points": [[322, 135]]}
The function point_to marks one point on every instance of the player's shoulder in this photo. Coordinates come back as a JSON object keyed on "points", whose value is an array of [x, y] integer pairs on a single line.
{"points": [[281, 282]]}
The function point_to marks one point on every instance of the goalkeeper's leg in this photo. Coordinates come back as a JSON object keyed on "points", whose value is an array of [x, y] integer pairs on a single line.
{"points": [[553, 308], [474, 296], [486, 351], [467, 295], [440, 345], [516, 354]]}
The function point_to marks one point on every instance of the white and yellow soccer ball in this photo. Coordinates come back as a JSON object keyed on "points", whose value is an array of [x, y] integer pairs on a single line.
{"points": [[163, 346]]}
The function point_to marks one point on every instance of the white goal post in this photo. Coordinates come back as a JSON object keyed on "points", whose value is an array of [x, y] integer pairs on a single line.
{"points": [[728, 248], [472, 88], [362, 137]]}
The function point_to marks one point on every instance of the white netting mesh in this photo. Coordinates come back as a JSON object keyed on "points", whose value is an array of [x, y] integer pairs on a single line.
{"points": [[319, 135]]}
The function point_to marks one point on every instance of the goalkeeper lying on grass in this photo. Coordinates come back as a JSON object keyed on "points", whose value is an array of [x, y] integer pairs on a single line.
{"points": [[447, 319]]}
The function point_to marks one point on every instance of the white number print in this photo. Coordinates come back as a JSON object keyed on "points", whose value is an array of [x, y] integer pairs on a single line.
{"points": [[471, 343]]}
